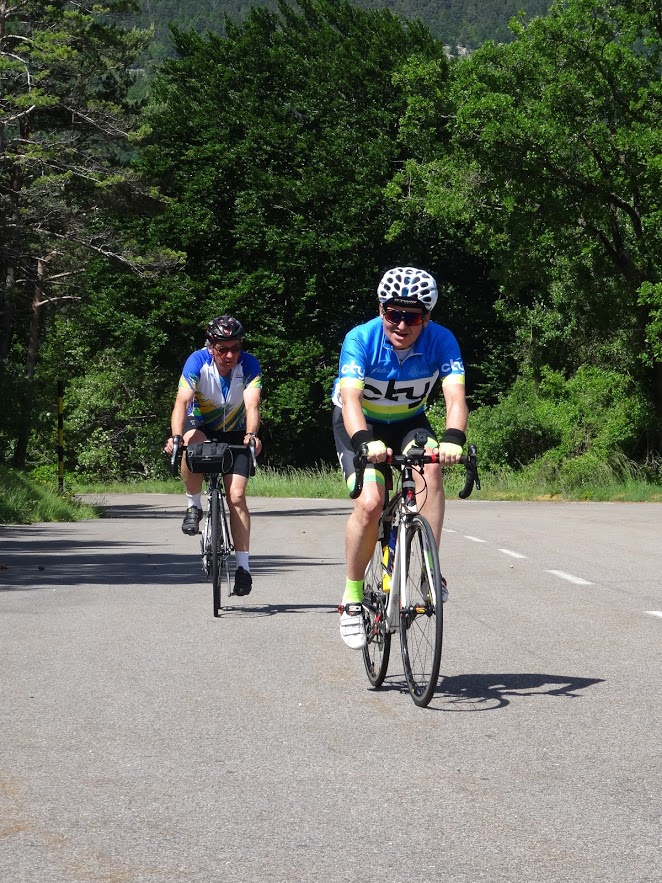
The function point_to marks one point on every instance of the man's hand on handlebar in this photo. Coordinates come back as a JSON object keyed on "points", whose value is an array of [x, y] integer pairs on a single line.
{"points": [[250, 439], [377, 452], [448, 453], [169, 446]]}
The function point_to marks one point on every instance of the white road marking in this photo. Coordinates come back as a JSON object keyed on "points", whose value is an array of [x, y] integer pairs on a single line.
{"points": [[474, 539], [571, 578], [512, 554], [448, 530], [654, 613]]}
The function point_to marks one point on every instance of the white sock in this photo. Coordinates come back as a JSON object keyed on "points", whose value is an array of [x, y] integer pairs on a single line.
{"points": [[242, 560], [194, 500]]}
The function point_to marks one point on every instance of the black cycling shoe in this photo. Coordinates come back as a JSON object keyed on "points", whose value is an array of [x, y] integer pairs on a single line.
{"points": [[243, 582], [191, 523]]}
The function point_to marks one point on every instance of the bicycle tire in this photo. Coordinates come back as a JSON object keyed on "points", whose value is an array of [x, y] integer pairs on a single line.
{"points": [[226, 548], [215, 552], [377, 651], [422, 619]]}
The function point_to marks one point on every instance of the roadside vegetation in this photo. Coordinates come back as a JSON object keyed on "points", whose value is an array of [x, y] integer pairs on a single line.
{"points": [[26, 500]]}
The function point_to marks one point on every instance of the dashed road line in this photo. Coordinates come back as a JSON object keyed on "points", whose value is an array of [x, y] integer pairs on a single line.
{"points": [[571, 578], [512, 554]]}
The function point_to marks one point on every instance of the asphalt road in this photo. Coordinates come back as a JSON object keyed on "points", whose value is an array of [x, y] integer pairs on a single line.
{"points": [[144, 741]]}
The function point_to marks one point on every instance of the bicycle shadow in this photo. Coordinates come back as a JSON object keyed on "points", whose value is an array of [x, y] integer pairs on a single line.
{"points": [[260, 610], [491, 691]]}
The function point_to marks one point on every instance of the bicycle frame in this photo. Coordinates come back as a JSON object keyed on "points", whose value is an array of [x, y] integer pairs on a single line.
{"points": [[403, 504], [214, 481]]}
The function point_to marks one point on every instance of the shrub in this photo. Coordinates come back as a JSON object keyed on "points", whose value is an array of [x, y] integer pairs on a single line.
{"points": [[546, 423]]}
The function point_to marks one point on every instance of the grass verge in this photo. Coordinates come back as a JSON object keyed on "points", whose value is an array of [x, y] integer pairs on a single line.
{"points": [[25, 501]]}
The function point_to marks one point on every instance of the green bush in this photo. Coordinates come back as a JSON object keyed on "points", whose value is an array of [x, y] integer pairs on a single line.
{"points": [[597, 417]]}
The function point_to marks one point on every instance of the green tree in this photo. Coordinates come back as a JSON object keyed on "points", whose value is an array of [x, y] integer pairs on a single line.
{"points": [[554, 168], [65, 121], [276, 171]]}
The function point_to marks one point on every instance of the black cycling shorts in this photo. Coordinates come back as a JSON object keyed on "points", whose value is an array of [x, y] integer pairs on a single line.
{"points": [[394, 435], [241, 460]]}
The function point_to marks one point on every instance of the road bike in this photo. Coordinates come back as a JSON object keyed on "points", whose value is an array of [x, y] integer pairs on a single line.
{"points": [[213, 459], [403, 584]]}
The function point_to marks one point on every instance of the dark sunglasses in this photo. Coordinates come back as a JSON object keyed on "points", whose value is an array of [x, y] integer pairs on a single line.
{"points": [[394, 317], [225, 350]]}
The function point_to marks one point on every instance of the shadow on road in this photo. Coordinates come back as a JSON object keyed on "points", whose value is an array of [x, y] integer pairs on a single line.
{"points": [[139, 510], [259, 610], [487, 692], [64, 562]]}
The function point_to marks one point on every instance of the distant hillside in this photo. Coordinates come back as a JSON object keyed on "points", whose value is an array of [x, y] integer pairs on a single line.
{"points": [[466, 23]]}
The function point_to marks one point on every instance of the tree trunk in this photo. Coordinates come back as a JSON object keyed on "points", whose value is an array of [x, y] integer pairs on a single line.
{"points": [[13, 249], [657, 399], [25, 424]]}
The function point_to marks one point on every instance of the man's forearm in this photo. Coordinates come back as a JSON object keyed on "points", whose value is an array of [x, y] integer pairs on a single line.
{"points": [[252, 420]]}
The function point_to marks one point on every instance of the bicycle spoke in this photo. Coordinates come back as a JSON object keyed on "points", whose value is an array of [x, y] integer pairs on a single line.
{"points": [[421, 620], [378, 648]]}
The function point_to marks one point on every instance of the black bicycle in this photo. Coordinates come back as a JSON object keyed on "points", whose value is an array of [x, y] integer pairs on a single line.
{"points": [[403, 586], [213, 459]]}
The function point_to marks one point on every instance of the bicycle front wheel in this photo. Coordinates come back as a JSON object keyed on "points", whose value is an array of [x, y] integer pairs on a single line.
{"points": [[421, 616], [378, 648]]}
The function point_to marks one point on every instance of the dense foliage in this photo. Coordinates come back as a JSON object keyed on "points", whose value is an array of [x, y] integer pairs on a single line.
{"points": [[456, 23], [277, 170]]}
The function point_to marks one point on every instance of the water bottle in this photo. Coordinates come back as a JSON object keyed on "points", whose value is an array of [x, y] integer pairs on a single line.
{"points": [[388, 558], [386, 576]]}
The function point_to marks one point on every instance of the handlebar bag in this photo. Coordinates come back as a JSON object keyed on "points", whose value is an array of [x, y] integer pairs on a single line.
{"points": [[209, 456]]}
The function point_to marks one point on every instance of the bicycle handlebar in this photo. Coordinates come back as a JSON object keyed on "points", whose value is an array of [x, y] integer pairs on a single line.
{"points": [[418, 457], [178, 448]]}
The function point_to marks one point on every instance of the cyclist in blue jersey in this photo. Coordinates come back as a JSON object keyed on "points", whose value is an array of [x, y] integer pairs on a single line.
{"points": [[388, 367], [219, 399]]}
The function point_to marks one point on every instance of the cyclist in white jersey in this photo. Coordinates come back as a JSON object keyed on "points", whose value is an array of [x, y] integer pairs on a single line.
{"points": [[219, 399], [388, 367]]}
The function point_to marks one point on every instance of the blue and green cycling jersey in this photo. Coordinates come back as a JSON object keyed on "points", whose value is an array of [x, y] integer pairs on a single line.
{"points": [[219, 401], [396, 390]]}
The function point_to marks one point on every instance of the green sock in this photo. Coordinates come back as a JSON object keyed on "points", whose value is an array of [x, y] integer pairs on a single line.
{"points": [[353, 591]]}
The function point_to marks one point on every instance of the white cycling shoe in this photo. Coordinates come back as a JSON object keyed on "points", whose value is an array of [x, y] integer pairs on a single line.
{"points": [[352, 630]]}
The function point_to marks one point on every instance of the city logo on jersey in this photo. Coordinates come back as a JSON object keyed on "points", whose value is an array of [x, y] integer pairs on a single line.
{"points": [[353, 369], [455, 366], [410, 392]]}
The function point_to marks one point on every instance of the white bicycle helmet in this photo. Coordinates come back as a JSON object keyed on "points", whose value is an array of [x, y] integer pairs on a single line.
{"points": [[406, 287]]}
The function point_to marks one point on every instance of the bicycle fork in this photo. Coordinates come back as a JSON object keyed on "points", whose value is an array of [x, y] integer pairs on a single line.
{"points": [[398, 605]]}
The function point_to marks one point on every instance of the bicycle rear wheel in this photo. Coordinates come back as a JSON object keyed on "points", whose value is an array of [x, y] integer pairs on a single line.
{"points": [[378, 648], [421, 620]]}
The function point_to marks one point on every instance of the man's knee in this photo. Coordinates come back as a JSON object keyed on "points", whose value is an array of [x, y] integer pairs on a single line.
{"points": [[368, 506], [237, 498]]}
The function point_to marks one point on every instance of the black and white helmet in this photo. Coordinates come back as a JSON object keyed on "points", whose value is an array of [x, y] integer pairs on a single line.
{"points": [[407, 287], [224, 328]]}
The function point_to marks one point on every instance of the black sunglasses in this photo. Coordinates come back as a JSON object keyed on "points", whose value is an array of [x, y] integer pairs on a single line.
{"points": [[394, 317], [224, 350]]}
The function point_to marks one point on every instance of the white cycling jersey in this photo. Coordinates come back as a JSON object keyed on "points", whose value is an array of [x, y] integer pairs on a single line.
{"points": [[219, 401]]}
